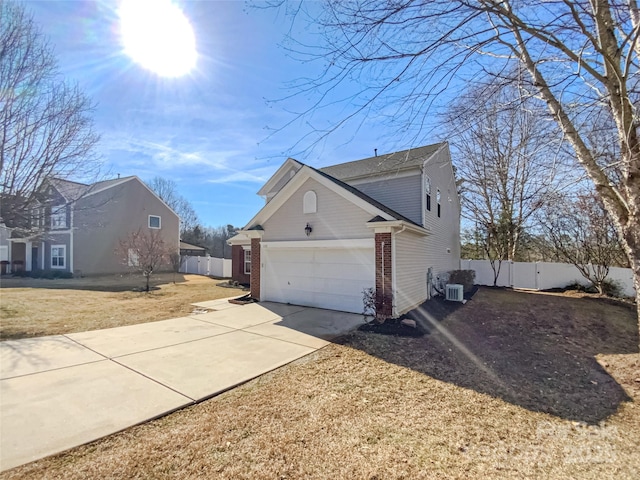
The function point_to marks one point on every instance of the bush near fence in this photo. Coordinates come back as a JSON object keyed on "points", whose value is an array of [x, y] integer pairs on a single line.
{"points": [[543, 275]]}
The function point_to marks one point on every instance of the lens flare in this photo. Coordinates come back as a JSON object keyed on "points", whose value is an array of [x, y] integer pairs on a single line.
{"points": [[158, 36]]}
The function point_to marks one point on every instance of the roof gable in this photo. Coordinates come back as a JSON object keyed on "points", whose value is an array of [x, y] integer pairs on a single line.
{"points": [[348, 192], [70, 191], [383, 164], [290, 163]]}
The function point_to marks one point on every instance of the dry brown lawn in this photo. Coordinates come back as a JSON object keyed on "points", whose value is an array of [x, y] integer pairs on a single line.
{"points": [[440, 406], [37, 307]]}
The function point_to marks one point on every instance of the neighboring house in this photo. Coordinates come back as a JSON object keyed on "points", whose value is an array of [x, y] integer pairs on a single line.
{"points": [[189, 250], [387, 222], [78, 228]]}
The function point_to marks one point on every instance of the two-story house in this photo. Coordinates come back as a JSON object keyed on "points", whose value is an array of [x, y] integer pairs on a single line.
{"points": [[77, 228], [390, 222]]}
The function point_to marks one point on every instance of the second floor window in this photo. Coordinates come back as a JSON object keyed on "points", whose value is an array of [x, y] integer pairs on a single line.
{"points": [[154, 221], [427, 193], [58, 217]]}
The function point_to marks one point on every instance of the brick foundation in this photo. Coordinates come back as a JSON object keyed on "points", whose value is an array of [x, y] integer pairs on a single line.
{"points": [[384, 270], [255, 268]]}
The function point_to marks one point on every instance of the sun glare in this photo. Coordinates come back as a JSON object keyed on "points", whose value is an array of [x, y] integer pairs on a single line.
{"points": [[158, 36]]}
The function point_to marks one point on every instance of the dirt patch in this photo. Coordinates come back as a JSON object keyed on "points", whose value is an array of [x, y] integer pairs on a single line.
{"points": [[38, 307], [440, 406], [538, 352]]}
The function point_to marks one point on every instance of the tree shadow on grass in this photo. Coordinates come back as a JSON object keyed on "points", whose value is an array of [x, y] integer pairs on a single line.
{"points": [[535, 351]]}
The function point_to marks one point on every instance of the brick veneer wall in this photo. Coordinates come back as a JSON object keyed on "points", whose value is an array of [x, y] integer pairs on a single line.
{"points": [[237, 265], [384, 285], [255, 268]]}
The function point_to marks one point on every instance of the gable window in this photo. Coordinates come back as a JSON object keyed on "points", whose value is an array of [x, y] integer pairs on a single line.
{"points": [[438, 200], [58, 217], [247, 262], [58, 256], [154, 221], [427, 193], [309, 202]]}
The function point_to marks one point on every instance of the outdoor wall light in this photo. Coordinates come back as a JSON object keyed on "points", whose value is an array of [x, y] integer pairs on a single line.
{"points": [[308, 229]]}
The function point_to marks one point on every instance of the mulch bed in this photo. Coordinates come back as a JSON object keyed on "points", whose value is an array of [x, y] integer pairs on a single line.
{"points": [[437, 307]]}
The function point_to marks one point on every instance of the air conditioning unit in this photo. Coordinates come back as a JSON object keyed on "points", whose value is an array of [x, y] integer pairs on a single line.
{"points": [[454, 292]]}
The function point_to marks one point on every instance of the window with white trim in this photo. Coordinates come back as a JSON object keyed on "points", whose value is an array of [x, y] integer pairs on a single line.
{"points": [[427, 193], [58, 256], [154, 221], [309, 202], [58, 217], [247, 262], [438, 200]]}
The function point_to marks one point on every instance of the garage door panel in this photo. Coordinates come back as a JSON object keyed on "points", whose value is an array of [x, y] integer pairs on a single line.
{"points": [[320, 277]]}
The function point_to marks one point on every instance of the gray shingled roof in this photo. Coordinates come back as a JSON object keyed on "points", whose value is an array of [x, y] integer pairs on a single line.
{"points": [[387, 163], [69, 190]]}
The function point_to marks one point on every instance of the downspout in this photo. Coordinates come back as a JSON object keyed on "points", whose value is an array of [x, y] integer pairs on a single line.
{"points": [[71, 255], [394, 285], [383, 278]]}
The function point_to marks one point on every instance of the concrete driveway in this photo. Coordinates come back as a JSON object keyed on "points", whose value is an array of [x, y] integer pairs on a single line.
{"points": [[61, 391]]}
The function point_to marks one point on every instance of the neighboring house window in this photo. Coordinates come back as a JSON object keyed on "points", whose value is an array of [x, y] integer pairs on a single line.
{"points": [[58, 256], [309, 202], [154, 221], [438, 200], [59, 217], [132, 258], [427, 193], [37, 217], [247, 262]]}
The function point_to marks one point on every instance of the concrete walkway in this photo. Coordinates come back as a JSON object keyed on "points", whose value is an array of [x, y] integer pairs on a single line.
{"points": [[61, 391]]}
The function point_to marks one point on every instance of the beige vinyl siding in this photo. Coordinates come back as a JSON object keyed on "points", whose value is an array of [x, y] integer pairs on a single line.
{"points": [[411, 265], [402, 194], [335, 218], [103, 219], [445, 230]]}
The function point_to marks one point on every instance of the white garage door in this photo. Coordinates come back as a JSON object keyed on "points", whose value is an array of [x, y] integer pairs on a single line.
{"points": [[330, 278]]}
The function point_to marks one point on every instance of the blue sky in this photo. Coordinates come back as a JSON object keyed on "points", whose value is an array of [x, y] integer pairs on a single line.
{"points": [[212, 130]]}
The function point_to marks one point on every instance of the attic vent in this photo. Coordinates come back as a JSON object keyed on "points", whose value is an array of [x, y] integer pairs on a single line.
{"points": [[454, 292], [309, 202]]}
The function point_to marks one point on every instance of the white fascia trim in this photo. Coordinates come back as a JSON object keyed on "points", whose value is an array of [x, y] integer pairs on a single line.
{"points": [[275, 178], [252, 233], [352, 243], [296, 182], [239, 239], [390, 227]]}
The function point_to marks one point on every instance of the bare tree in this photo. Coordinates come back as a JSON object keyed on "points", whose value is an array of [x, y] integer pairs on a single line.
{"points": [[583, 234], [46, 127], [505, 148], [581, 56], [145, 252], [177, 262], [167, 190]]}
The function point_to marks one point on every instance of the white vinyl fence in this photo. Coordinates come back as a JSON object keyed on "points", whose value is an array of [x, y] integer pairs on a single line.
{"points": [[216, 267], [542, 275]]}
